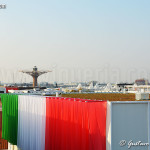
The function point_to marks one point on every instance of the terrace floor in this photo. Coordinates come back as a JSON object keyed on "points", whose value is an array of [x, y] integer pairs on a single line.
{"points": [[103, 96]]}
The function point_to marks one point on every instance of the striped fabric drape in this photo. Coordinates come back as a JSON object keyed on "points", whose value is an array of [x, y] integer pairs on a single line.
{"points": [[31, 122], [9, 117], [53, 123], [75, 124]]}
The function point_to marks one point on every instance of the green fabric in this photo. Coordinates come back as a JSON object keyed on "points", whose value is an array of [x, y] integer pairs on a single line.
{"points": [[9, 117]]}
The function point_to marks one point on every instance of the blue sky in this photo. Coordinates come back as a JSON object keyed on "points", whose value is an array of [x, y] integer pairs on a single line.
{"points": [[99, 39]]}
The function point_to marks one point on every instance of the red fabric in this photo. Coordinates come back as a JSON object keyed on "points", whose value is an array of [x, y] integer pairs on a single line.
{"points": [[75, 124], [10, 88]]}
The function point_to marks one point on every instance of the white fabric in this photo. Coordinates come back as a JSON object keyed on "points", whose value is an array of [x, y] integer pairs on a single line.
{"points": [[12, 147], [31, 122]]}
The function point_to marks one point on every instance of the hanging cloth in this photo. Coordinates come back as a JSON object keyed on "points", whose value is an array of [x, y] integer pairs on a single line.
{"points": [[31, 122], [9, 117]]}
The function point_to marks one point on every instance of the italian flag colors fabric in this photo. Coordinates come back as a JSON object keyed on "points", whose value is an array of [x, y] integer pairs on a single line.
{"points": [[9, 117], [54, 123], [31, 122]]}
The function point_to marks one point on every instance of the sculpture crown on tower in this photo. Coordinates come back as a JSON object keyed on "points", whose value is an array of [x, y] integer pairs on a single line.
{"points": [[35, 74]]}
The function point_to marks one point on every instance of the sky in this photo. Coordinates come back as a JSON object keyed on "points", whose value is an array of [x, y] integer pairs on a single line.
{"points": [[80, 41]]}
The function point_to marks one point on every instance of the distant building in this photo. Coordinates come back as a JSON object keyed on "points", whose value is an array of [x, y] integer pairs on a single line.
{"points": [[123, 85], [141, 82]]}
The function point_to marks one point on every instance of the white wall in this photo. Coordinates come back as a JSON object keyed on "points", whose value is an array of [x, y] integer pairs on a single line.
{"points": [[128, 121]]}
